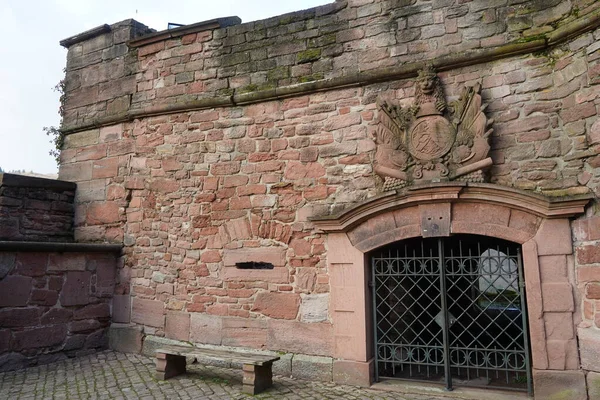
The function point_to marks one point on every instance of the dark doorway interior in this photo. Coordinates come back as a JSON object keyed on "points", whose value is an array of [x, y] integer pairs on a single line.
{"points": [[451, 310]]}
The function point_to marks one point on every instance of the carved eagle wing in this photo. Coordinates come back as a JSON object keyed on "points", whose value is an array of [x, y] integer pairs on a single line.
{"points": [[472, 122], [392, 133]]}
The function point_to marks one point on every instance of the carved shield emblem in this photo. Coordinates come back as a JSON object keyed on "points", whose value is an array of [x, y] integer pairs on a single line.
{"points": [[430, 138]]}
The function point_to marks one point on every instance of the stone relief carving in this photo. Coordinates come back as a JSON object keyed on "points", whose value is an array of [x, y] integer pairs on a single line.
{"points": [[432, 141]]}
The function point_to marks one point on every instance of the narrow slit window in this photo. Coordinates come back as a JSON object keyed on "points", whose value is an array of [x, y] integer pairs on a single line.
{"points": [[254, 265]]}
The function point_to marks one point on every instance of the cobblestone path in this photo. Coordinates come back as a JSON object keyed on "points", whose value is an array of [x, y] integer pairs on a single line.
{"points": [[112, 375]]}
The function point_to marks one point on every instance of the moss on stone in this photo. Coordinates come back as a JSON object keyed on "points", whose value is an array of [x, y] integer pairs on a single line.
{"points": [[286, 20], [253, 88], [275, 74], [567, 394], [248, 88], [524, 10], [310, 78], [308, 56], [225, 92], [568, 192], [323, 40], [532, 38]]}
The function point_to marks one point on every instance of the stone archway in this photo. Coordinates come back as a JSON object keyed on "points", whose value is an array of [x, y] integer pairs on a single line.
{"points": [[540, 224]]}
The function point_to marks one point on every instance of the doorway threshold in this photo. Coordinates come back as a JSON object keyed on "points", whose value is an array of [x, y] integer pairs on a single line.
{"points": [[463, 393]]}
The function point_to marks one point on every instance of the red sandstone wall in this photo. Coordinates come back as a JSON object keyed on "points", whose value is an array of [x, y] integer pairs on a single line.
{"points": [[337, 40], [189, 193], [53, 305]]}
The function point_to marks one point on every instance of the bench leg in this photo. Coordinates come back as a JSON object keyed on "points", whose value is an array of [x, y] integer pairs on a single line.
{"points": [[257, 378], [169, 365]]}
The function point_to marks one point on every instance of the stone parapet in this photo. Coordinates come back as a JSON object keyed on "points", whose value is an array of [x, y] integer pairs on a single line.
{"points": [[335, 45], [53, 305], [36, 209]]}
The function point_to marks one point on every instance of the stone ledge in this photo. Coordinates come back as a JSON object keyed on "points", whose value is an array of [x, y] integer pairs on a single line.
{"points": [[216, 23], [568, 31], [453, 192], [15, 180], [89, 34], [59, 247]]}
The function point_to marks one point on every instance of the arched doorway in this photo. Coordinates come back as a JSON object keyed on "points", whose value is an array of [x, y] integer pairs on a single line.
{"points": [[451, 310], [539, 225]]}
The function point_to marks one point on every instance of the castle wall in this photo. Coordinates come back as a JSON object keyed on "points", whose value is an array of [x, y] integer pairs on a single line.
{"points": [[215, 147], [55, 295], [36, 209]]}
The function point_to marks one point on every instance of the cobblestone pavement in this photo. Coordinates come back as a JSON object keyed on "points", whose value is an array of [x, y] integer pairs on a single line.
{"points": [[112, 375]]}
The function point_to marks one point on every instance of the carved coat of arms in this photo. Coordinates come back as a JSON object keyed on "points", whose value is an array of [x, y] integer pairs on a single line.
{"points": [[432, 141]]}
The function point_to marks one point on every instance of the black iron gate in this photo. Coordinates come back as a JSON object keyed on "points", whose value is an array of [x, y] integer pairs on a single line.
{"points": [[451, 310]]}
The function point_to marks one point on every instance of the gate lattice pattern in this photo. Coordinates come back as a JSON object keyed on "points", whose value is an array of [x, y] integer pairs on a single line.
{"points": [[451, 310]]}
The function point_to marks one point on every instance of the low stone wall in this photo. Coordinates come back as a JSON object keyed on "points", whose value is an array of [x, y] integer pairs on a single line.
{"points": [[53, 304], [36, 208]]}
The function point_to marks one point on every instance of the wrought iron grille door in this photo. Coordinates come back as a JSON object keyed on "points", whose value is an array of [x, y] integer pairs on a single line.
{"points": [[451, 310]]}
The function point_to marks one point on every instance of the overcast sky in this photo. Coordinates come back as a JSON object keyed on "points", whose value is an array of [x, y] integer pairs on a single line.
{"points": [[32, 61]]}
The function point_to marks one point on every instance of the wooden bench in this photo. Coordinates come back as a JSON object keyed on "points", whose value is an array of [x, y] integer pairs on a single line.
{"points": [[258, 374]]}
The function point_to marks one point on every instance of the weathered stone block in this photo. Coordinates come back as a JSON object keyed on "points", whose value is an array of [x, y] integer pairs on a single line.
{"points": [[346, 372], [244, 332], [312, 368], [314, 307], [76, 290], [177, 325], [554, 237], [103, 213], [557, 297], [97, 340], [7, 263], [121, 308], [277, 305], [556, 385], [12, 361], [593, 384], [19, 317], [14, 291], [553, 268], [31, 264], [66, 262], [81, 139], [589, 348], [93, 311], [4, 340], [74, 342], [559, 326], [562, 354], [125, 338], [43, 297], [148, 312], [40, 337], [85, 326], [57, 316], [588, 254], [283, 366], [205, 328], [298, 337], [75, 172]]}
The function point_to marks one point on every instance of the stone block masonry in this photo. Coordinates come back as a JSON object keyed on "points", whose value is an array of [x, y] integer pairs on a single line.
{"points": [[55, 295], [213, 148], [53, 305], [36, 209]]}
